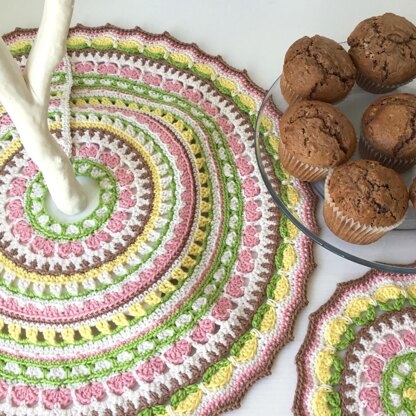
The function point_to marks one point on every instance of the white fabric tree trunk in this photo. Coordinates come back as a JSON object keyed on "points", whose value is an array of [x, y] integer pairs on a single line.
{"points": [[26, 99]]}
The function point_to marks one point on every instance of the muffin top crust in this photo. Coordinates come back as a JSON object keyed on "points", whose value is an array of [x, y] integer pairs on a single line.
{"points": [[369, 193], [389, 124], [317, 133], [383, 49], [319, 68]]}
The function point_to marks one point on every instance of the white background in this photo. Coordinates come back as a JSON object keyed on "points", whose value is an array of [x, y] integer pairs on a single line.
{"points": [[250, 34]]}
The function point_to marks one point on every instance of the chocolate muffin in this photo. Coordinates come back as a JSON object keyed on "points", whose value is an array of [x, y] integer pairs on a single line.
{"points": [[317, 68], [412, 193], [383, 49], [363, 201], [388, 131], [315, 136]]}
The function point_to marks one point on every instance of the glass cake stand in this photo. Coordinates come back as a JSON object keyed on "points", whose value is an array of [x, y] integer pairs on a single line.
{"points": [[396, 251]]}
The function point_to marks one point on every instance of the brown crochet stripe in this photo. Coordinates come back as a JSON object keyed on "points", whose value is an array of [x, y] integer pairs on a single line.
{"points": [[299, 405], [245, 323], [95, 261], [364, 333], [264, 369]]}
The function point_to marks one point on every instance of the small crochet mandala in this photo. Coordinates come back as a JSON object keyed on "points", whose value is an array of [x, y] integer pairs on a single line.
{"points": [[359, 355], [176, 291]]}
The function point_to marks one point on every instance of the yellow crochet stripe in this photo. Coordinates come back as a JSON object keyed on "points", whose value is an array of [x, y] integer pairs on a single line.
{"points": [[221, 378], [10, 151], [192, 401], [269, 321], [334, 331], [289, 257], [320, 404], [388, 293], [188, 405], [410, 394], [108, 267], [323, 365], [357, 306], [180, 58], [336, 328], [69, 334], [248, 351], [281, 290]]}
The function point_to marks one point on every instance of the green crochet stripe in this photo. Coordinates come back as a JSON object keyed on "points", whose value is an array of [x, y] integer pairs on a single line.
{"points": [[349, 336], [336, 370], [259, 315], [278, 170], [271, 287], [152, 336], [183, 393], [393, 305], [393, 375], [58, 78], [7, 136], [46, 229], [334, 402], [207, 377], [132, 269], [239, 344], [366, 316]]}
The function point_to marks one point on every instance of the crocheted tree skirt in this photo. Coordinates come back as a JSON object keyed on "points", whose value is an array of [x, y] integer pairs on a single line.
{"points": [[173, 295], [359, 355]]}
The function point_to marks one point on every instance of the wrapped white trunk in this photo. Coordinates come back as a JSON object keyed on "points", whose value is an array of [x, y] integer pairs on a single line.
{"points": [[26, 99]]}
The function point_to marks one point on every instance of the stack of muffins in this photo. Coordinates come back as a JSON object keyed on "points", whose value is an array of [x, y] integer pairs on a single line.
{"points": [[364, 199]]}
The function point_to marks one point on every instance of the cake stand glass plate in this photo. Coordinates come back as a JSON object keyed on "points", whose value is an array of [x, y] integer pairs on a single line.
{"points": [[396, 251]]}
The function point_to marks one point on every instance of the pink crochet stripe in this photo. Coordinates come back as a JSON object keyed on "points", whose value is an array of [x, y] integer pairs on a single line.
{"points": [[155, 323], [245, 380], [147, 278], [174, 45], [253, 213], [358, 287], [261, 367]]}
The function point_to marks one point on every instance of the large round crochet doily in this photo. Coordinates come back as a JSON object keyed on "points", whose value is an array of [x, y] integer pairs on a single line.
{"points": [[359, 356], [178, 288]]}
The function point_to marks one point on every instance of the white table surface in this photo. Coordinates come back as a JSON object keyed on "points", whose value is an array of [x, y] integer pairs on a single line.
{"points": [[250, 34]]}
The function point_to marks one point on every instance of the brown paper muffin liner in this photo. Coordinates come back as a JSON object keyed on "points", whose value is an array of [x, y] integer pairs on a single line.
{"points": [[298, 169], [288, 93], [375, 87], [347, 228], [367, 151]]}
